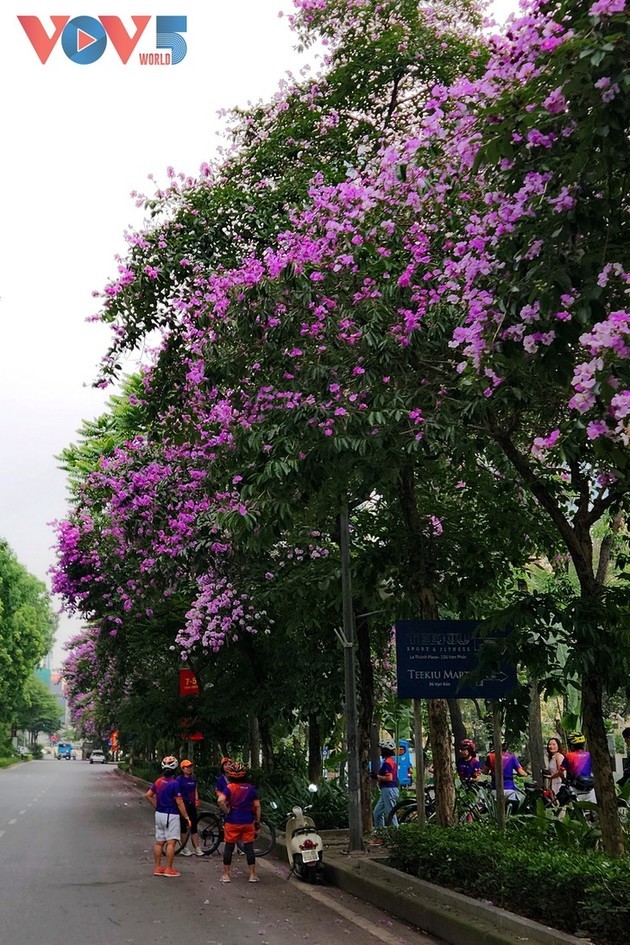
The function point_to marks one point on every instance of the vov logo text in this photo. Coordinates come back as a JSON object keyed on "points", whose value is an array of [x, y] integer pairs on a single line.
{"points": [[84, 39]]}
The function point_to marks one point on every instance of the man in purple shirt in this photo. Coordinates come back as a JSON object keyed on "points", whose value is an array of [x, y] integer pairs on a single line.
{"points": [[166, 797]]}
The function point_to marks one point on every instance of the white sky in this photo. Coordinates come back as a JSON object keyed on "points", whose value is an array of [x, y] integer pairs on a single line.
{"points": [[76, 140]]}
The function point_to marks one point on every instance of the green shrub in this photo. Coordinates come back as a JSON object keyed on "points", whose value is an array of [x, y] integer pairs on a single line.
{"points": [[569, 889]]}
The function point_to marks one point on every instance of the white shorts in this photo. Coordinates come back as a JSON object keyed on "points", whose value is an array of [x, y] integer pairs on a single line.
{"points": [[167, 826]]}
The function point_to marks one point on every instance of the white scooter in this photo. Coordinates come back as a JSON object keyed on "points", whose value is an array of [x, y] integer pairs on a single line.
{"points": [[305, 849]]}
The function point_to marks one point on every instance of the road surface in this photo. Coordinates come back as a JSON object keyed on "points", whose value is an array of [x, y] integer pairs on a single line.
{"points": [[76, 868]]}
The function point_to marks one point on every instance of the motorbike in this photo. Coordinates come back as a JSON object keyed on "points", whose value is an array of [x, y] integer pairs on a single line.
{"points": [[305, 849]]}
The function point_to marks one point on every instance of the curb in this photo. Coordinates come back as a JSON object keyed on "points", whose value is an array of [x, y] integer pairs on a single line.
{"points": [[457, 919]]}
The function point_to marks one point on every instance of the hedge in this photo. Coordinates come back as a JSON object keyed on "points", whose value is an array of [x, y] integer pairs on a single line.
{"points": [[584, 893]]}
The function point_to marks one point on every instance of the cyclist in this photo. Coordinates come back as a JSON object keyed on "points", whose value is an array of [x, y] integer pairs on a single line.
{"points": [[468, 765], [221, 780], [240, 803], [166, 797], [190, 794], [511, 766], [387, 780], [577, 763]]}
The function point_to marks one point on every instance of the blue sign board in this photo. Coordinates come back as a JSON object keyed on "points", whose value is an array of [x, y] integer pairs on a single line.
{"points": [[435, 657]]}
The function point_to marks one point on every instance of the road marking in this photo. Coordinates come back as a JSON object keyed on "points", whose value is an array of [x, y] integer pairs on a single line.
{"points": [[1, 833], [21, 812], [387, 937], [14, 821]]}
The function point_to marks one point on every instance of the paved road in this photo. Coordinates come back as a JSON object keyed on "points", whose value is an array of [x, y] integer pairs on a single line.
{"points": [[76, 868]]}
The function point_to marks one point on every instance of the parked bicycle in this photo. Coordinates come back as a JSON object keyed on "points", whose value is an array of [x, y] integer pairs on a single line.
{"points": [[406, 811], [210, 829]]}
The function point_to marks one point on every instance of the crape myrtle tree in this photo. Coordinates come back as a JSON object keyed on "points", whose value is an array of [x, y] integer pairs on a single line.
{"points": [[485, 265], [159, 599], [325, 125]]}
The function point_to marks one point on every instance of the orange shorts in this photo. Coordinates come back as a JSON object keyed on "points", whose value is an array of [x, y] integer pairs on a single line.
{"points": [[235, 832]]}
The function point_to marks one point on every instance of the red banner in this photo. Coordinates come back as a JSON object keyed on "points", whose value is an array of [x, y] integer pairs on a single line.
{"points": [[188, 685]]}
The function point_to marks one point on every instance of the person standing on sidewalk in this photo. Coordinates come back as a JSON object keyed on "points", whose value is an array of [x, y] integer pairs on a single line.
{"points": [[190, 794], [166, 797], [240, 804], [387, 780], [220, 782]]}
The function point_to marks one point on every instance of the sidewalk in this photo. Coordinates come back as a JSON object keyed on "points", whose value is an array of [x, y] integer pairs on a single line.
{"points": [[457, 919]]}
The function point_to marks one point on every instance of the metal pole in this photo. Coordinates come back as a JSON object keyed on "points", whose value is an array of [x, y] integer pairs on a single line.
{"points": [[418, 739], [354, 783]]}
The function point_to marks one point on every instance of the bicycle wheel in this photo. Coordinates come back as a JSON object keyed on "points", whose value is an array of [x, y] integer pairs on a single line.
{"points": [[210, 830], [265, 839]]}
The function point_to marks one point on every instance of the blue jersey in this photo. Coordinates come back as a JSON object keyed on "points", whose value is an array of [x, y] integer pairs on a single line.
{"points": [[240, 798], [468, 769], [389, 766], [188, 787], [166, 790], [511, 764]]}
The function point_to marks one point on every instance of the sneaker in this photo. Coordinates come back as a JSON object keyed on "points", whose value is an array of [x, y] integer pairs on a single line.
{"points": [[199, 852], [168, 872], [226, 879], [159, 871], [185, 852], [253, 879]]}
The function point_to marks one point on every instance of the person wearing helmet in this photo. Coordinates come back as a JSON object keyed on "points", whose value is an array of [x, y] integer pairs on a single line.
{"points": [[240, 804], [577, 763], [221, 781], [468, 765], [190, 794], [387, 781], [165, 797]]}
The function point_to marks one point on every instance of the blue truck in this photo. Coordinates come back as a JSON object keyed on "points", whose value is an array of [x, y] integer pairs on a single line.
{"points": [[64, 750]]}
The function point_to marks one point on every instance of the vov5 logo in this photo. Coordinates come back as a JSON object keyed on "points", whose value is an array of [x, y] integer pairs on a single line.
{"points": [[84, 38]]}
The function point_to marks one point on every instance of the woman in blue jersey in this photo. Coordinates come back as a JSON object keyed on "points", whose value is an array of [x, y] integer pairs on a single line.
{"points": [[387, 779], [468, 765], [188, 786]]}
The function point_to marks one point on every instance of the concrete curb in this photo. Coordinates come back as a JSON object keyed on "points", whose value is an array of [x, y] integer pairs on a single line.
{"points": [[458, 919]]}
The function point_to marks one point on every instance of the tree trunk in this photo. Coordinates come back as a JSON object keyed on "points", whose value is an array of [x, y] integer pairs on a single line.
{"points": [[314, 750], [534, 734], [592, 696], [266, 744], [440, 739], [365, 717], [457, 722]]}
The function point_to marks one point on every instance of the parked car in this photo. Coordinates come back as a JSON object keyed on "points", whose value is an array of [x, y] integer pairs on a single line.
{"points": [[97, 757]]}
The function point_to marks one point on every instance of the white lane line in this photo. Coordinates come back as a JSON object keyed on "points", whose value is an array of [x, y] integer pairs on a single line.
{"points": [[1, 833], [21, 812], [382, 934], [14, 821]]}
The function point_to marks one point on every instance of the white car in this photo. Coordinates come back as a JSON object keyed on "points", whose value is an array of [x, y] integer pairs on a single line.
{"points": [[97, 757]]}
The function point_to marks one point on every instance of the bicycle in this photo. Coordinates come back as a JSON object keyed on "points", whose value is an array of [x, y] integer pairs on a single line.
{"points": [[210, 829], [406, 811]]}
